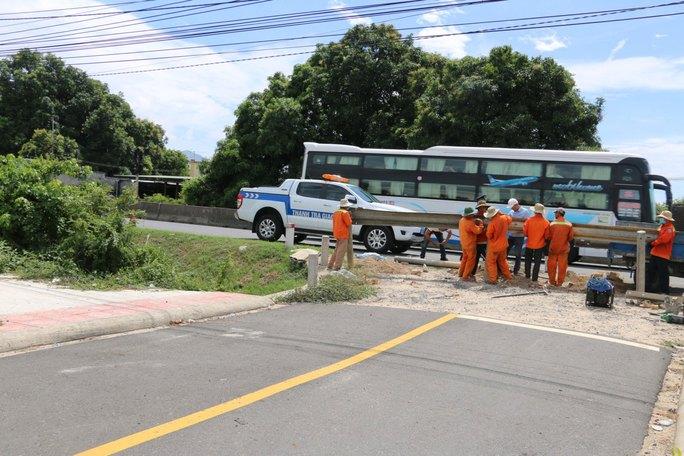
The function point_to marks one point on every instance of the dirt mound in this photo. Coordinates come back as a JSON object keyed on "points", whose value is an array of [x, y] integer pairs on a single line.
{"points": [[371, 266]]}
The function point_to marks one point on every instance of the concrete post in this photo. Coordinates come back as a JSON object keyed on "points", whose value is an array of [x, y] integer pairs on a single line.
{"points": [[325, 250], [289, 236], [312, 270], [350, 250], [641, 261]]}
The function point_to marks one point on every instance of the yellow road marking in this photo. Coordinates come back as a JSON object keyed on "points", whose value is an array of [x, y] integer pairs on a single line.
{"points": [[242, 401]]}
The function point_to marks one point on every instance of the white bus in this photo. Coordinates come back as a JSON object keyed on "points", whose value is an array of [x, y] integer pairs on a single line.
{"points": [[594, 187]]}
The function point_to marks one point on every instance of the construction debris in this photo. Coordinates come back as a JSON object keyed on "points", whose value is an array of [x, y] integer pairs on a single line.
{"points": [[302, 255], [542, 291]]}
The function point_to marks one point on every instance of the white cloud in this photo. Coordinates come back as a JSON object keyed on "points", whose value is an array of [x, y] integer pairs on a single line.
{"points": [[451, 46], [659, 36], [633, 73], [618, 47], [353, 17], [433, 17], [547, 43], [665, 155], [192, 104]]}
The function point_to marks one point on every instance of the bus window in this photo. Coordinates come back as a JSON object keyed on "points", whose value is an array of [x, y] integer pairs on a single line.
{"points": [[345, 160], [580, 200], [511, 168], [448, 165], [389, 188], [317, 159], [525, 196], [395, 162], [446, 191], [572, 171]]}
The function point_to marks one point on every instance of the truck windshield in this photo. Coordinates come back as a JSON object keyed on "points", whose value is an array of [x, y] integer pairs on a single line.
{"points": [[364, 195]]}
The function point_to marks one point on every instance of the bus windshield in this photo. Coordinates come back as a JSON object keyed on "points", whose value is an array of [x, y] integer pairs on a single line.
{"points": [[364, 195]]}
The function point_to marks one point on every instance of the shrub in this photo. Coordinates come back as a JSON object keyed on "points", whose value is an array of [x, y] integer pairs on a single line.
{"points": [[159, 198], [332, 288], [83, 224]]}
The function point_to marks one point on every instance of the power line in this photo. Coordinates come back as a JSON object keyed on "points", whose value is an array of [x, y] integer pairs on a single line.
{"points": [[559, 18], [103, 27], [253, 25], [75, 8], [425, 37]]}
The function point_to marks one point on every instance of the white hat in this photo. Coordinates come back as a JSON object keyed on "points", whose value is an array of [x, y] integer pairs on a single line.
{"points": [[512, 202], [667, 215], [538, 208], [344, 202], [491, 212]]}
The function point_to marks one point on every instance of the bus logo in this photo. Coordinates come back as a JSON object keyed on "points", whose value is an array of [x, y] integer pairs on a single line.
{"points": [[522, 181]]}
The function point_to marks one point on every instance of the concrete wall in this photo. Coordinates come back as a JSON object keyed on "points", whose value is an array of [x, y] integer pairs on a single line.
{"points": [[196, 215]]}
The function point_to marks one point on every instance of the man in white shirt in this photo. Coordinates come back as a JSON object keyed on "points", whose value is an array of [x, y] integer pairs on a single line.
{"points": [[515, 242]]}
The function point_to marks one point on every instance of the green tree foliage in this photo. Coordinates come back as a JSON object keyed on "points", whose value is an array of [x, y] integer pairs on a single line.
{"points": [[37, 89], [46, 144], [83, 225], [171, 162], [374, 88]]}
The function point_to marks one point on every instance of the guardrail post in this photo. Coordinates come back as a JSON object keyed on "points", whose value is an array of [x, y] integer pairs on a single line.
{"points": [[289, 235], [350, 249], [325, 249], [312, 270], [641, 261]]}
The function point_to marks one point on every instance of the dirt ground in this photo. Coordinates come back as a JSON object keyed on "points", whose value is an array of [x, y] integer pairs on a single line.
{"points": [[440, 290]]}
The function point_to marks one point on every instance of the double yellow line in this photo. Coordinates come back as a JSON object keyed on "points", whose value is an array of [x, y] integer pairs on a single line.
{"points": [[186, 421]]}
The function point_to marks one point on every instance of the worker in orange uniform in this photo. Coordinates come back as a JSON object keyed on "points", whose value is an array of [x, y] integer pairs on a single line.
{"points": [[481, 245], [469, 227], [536, 230], [560, 236], [342, 223], [497, 245], [658, 272]]}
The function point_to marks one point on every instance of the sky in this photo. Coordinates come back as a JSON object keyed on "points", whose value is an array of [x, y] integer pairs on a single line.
{"points": [[636, 66]]}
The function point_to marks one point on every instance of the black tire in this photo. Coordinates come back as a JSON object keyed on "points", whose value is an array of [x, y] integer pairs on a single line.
{"points": [[268, 226], [399, 248], [574, 255], [377, 239], [299, 238]]}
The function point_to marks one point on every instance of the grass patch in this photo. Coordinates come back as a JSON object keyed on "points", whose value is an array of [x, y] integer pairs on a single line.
{"points": [[178, 261], [332, 288]]}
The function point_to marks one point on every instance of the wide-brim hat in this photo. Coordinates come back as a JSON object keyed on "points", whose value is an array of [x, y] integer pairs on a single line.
{"points": [[468, 211], [344, 202], [512, 202], [538, 208], [667, 215], [481, 203], [491, 212]]}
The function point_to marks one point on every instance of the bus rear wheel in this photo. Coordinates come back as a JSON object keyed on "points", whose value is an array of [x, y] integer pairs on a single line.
{"points": [[377, 239]]}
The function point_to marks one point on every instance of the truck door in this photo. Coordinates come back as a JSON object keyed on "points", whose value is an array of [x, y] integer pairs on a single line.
{"points": [[332, 196], [307, 206]]}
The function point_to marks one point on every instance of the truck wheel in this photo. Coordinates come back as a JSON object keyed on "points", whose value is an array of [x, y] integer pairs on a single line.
{"points": [[574, 255], [299, 238], [377, 239], [269, 227], [399, 247]]}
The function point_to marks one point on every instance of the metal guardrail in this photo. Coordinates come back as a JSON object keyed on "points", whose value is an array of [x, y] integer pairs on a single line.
{"points": [[589, 234]]}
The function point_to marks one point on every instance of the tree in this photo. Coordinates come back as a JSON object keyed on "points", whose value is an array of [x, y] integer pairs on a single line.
{"points": [[171, 162], [37, 91], [46, 144], [374, 88]]}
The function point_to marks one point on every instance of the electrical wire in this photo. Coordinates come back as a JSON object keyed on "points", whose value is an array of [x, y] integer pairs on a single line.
{"points": [[425, 37]]}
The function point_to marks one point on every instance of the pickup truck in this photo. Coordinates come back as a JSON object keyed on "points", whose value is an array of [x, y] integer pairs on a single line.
{"points": [[308, 204]]}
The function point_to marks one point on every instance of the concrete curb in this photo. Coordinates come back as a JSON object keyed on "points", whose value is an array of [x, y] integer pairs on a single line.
{"points": [[153, 318]]}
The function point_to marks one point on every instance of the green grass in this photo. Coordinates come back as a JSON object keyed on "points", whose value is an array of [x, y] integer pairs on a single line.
{"points": [[332, 288], [184, 262]]}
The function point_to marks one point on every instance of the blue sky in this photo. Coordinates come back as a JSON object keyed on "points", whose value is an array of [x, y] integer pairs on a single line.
{"points": [[637, 66]]}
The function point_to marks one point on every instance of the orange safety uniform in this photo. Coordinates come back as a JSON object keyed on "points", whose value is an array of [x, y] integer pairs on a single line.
{"points": [[497, 247], [482, 237], [341, 221], [536, 230], [560, 234], [468, 232], [662, 245]]}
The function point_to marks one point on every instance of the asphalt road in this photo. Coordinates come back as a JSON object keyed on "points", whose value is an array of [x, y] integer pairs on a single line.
{"points": [[463, 387], [676, 283]]}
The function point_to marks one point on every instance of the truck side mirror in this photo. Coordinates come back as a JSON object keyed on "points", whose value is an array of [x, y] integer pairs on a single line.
{"points": [[352, 199]]}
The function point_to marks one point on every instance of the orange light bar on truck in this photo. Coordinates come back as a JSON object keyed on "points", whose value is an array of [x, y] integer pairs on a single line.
{"points": [[335, 178]]}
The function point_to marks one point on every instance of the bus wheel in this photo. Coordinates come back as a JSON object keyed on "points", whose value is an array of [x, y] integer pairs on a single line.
{"points": [[399, 247], [574, 255], [377, 239]]}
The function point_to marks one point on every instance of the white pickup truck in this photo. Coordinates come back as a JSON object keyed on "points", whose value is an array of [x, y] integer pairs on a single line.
{"points": [[308, 204]]}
